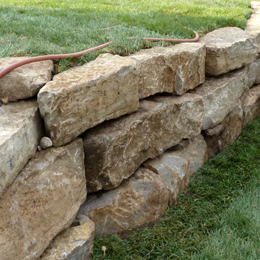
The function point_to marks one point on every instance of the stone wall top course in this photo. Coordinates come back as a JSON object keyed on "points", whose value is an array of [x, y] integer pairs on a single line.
{"points": [[85, 96], [25, 81], [173, 69], [228, 49]]}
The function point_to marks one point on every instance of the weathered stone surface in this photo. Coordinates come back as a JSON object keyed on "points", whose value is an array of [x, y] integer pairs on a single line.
{"points": [[45, 142], [252, 26], [75, 243], [115, 150], [173, 170], [141, 199], [194, 150], [228, 49], [21, 128], [82, 97], [221, 95], [251, 104], [173, 69], [254, 73], [42, 201], [25, 81], [226, 132]]}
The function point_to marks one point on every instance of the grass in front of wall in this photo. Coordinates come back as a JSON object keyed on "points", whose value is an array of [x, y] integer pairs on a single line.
{"points": [[32, 27], [217, 216]]}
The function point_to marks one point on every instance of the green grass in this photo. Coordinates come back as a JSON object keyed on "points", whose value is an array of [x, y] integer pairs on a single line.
{"points": [[68, 26], [217, 217]]}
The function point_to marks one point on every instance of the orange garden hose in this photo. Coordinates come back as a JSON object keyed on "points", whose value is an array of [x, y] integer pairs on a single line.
{"points": [[77, 54]]}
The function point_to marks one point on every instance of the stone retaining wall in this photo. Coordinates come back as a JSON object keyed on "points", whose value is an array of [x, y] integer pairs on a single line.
{"points": [[127, 134]]}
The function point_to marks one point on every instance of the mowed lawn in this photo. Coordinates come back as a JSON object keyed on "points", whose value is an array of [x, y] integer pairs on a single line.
{"points": [[38, 27], [217, 217]]}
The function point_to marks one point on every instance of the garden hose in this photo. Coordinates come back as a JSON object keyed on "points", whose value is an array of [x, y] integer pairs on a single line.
{"points": [[77, 54]]}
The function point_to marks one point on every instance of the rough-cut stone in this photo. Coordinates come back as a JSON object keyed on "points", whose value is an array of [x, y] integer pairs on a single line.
{"points": [[251, 104], [21, 128], [194, 150], [82, 97], [114, 150], [75, 243], [173, 170], [226, 132], [254, 73], [173, 69], [42, 201], [221, 95], [252, 26], [25, 81], [228, 49], [141, 199]]}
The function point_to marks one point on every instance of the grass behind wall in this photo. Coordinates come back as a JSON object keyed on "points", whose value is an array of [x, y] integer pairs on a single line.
{"points": [[33, 27], [216, 217]]}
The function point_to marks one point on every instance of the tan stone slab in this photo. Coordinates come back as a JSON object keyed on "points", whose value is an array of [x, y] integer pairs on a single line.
{"points": [[228, 49], [221, 95], [21, 128], [74, 243], [42, 201], [85, 96], [25, 81], [141, 199], [173, 69], [115, 150]]}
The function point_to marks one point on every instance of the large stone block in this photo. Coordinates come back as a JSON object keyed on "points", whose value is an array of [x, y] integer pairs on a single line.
{"points": [[21, 128], [42, 201], [74, 243], [173, 69], [25, 81], [115, 150], [251, 104], [221, 95], [85, 96], [228, 49], [227, 131], [141, 199]]}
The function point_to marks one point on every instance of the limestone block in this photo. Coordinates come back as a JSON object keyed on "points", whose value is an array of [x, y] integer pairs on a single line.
{"points": [[224, 133], [141, 199], [252, 26], [174, 171], [194, 150], [173, 69], [25, 81], [82, 97], [42, 201], [251, 104], [115, 150], [74, 243], [21, 128], [228, 49], [221, 95]]}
